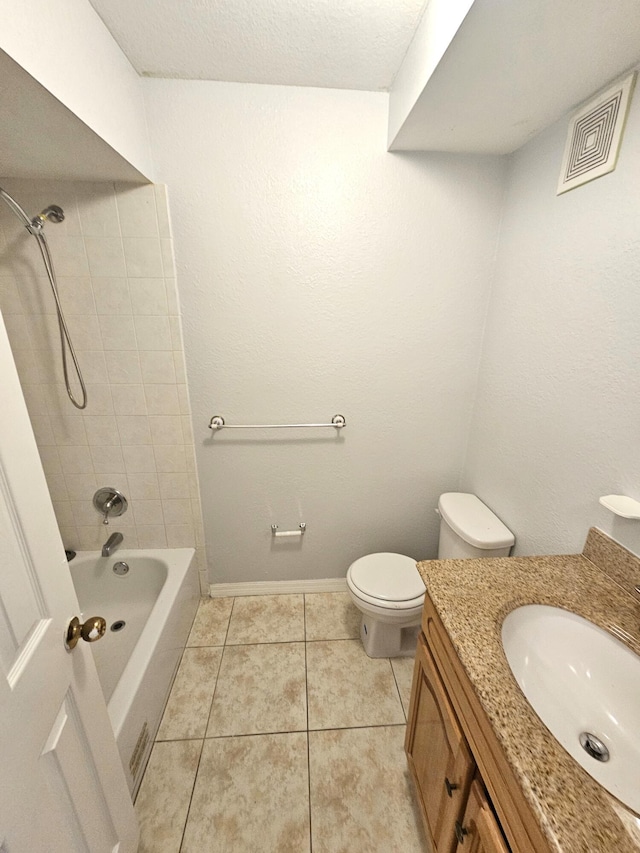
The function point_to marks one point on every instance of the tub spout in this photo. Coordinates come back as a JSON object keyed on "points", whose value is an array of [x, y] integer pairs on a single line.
{"points": [[112, 543]]}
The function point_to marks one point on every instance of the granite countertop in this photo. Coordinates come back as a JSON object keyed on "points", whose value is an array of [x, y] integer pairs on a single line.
{"points": [[472, 598]]}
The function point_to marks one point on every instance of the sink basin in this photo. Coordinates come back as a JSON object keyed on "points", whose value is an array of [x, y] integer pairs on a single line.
{"points": [[584, 684]]}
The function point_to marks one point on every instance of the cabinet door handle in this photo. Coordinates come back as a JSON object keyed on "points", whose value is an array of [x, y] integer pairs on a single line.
{"points": [[460, 832], [450, 786]]}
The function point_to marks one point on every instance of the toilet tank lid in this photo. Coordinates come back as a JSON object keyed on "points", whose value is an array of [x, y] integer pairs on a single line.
{"points": [[474, 522]]}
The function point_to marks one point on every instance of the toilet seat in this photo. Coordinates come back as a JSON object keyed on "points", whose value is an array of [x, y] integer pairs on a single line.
{"points": [[387, 580]]}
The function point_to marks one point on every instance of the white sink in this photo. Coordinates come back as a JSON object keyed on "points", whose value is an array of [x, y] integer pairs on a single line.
{"points": [[580, 679]]}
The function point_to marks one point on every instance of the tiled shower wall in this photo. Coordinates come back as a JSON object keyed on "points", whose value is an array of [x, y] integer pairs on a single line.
{"points": [[113, 255]]}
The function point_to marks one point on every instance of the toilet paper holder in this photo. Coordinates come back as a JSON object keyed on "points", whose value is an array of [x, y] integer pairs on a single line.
{"points": [[276, 532]]}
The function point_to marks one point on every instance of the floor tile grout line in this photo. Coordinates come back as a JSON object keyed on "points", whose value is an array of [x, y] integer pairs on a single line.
{"points": [[204, 737], [398, 689], [359, 728], [263, 643], [193, 787], [215, 686], [226, 633], [306, 687], [332, 728]]}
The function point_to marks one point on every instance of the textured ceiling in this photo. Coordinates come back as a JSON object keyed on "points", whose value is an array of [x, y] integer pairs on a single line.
{"points": [[342, 44]]}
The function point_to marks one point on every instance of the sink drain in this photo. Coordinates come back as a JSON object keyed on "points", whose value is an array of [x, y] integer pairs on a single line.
{"points": [[118, 625], [594, 747]]}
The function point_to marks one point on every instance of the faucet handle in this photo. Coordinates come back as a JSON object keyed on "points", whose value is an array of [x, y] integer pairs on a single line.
{"points": [[109, 501]]}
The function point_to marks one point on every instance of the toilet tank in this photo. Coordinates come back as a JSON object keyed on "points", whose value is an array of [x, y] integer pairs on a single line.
{"points": [[468, 529]]}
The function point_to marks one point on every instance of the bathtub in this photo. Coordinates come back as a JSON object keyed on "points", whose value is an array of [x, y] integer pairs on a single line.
{"points": [[136, 661]]}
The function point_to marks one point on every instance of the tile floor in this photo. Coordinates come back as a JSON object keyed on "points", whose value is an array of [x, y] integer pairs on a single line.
{"points": [[281, 736]]}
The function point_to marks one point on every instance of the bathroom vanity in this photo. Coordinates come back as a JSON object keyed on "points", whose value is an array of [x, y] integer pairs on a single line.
{"points": [[489, 777]]}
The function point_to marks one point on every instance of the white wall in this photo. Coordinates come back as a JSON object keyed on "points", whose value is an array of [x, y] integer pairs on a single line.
{"points": [[435, 32], [68, 50], [557, 418], [320, 275]]}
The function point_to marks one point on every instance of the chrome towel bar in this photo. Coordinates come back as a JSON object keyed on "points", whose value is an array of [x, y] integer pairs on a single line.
{"points": [[217, 422]]}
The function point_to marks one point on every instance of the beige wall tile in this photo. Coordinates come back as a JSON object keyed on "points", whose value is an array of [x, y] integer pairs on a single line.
{"points": [[147, 512], [109, 259], [174, 485], [70, 255], [129, 400], [107, 458], [118, 333], [84, 330], [111, 295], [139, 459], [137, 210], [177, 511], [157, 367], [170, 459], [166, 429], [123, 368], [162, 209], [180, 536], [153, 333], [101, 430], [152, 536], [144, 486], [76, 294], [148, 296], [134, 429], [97, 209], [100, 397], [93, 364], [105, 255], [143, 257], [76, 460]]}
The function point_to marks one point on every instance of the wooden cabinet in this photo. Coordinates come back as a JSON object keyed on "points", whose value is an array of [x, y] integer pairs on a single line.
{"points": [[438, 754], [467, 793], [478, 831]]}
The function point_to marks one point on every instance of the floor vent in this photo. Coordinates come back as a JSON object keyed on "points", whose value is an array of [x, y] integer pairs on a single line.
{"points": [[138, 752]]}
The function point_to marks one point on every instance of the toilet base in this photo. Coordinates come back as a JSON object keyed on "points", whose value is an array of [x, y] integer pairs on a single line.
{"points": [[388, 640]]}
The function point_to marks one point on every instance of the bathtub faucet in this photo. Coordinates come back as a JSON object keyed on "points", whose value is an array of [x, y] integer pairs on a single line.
{"points": [[112, 543]]}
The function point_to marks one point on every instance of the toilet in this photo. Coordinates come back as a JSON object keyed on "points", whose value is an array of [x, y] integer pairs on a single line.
{"points": [[388, 590]]}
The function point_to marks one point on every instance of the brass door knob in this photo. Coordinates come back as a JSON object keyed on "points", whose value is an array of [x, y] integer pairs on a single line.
{"points": [[91, 630]]}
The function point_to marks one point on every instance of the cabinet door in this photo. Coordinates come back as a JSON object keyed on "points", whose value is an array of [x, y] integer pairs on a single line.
{"points": [[478, 832], [437, 752]]}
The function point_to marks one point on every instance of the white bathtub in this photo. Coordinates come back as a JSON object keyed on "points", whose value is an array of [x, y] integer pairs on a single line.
{"points": [[157, 599]]}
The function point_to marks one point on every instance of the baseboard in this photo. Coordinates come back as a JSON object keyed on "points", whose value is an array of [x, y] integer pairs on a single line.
{"points": [[219, 590]]}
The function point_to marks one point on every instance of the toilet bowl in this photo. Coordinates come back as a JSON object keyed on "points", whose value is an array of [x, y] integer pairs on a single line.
{"points": [[388, 590], [389, 593]]}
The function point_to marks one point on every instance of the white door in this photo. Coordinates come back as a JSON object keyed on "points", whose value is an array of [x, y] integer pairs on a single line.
{"points": [[62, 787]]}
